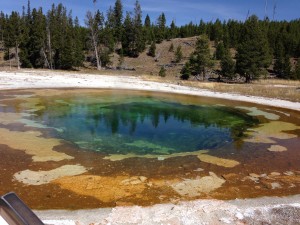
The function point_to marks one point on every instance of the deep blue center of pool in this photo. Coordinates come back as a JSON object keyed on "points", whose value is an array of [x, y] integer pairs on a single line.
{"points": [[143, 125]]}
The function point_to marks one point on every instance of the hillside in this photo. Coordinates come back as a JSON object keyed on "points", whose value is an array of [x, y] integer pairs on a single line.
{"points": [[147, 65], [150, 66], [142, 65]]}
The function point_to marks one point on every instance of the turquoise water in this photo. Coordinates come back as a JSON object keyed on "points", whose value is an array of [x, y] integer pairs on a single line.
{"points": [[142, 125]]}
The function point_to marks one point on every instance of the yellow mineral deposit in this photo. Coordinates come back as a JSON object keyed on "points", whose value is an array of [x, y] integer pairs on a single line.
{"points": [[275, 129], [229, 163], [105, 189], [108, 189], [9, 118], [31, 143], [43, 177], [202, 156], [198, 186], [253, 111], [118, 157], [31, 104]]}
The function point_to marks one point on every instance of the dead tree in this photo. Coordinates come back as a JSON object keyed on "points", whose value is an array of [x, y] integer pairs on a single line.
{"points": [[92, 25]]}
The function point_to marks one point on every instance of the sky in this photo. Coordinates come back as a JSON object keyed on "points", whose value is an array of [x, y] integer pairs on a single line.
{"points": [[181, 11]]}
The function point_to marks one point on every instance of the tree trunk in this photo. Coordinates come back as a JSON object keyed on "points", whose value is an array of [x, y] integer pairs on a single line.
{"points": [[45, 56], [96, 54], [247, 76], [49, 48], [96, 49], [17, 56]]}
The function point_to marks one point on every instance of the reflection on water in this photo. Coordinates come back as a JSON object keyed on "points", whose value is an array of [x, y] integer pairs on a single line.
{"points": [[143, 125]]}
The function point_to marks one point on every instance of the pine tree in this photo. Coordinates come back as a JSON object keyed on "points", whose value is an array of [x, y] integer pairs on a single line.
{"points": [[2, 25], [228, 66], [226, 39], [171, 48], [172, 31], [296, 74], [216, 31], [37, 40], [162, 72], [178, 54], [67, 56], [129, 36], [138, 29], [220, 51], [118, 20], [200, 59], [147, 30], [152, 49], [252, 54], [105, 57], [79, 36], [185, 72], [13, 34], [202, 27], [279, 66], [133, 41], [121, 59], [147, 22], [161, 28], [108, 37], [24, 45], [287, 68]]}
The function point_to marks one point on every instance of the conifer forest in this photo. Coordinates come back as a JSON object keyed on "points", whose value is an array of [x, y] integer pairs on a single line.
{"points": [[55, 39]]}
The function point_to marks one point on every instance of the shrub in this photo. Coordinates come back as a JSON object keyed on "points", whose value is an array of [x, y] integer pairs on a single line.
{"points": [[162, 72]]}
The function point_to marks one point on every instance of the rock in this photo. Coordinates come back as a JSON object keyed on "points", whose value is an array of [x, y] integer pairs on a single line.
{"points": [[275, 185], [292, 186], [142, 178], [125, 182], [161, 197], [226, 220], [275, 174], [149, 184], [199, 170], [266, 184], [255, 179], [175, 200], [254, 175], [195, 187], [40, 177], [228, 163], [289, 173], [277, 148], [230, 176], [135, 181], [239, 216]]}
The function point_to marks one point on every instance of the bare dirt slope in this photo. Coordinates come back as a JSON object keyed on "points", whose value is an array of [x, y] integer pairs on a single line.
{"points": [[147, 65]]}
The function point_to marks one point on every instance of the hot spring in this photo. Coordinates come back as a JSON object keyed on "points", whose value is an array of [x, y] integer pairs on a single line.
{"points": [[79, 148]]}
